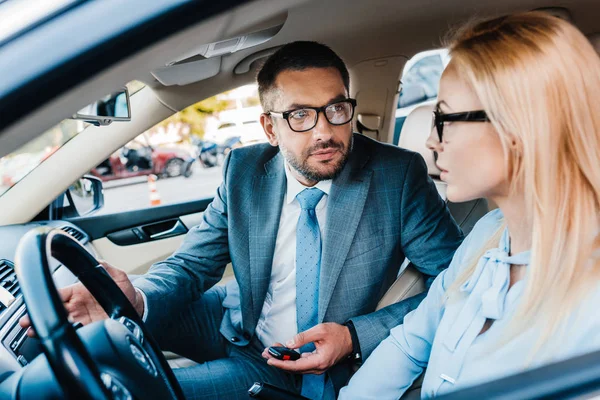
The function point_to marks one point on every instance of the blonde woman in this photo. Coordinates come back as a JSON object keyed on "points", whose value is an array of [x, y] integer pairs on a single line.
{"points": [[518, 122]]}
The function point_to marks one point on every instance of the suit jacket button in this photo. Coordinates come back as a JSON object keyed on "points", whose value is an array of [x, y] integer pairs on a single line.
{"points": [[235, 339], [247, 336]]}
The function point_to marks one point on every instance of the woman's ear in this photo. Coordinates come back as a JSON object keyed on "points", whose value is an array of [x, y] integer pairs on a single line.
{"points": [[267, 123]]}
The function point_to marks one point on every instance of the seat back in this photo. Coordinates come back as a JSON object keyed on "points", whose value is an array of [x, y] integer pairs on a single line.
{"points": [[415, 132], [409, 283]]}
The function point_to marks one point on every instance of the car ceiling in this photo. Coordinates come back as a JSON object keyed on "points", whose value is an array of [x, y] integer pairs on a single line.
{"points": [[361, 30], [357, 29]]}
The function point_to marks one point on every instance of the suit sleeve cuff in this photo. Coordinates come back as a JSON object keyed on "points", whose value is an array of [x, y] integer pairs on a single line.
{"points": [[145, 301], [356, 355]]}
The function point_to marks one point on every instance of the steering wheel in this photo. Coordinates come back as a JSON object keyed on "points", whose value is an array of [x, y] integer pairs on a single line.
{"points": [[112, 359]]}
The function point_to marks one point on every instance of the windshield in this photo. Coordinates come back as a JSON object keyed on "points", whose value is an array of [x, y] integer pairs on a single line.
{"points": [[16, 165], [18, 15]]}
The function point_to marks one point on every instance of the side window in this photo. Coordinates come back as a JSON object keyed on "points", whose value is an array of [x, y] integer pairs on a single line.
{"points": [[180, 159], [423, 77], [420, 81]]}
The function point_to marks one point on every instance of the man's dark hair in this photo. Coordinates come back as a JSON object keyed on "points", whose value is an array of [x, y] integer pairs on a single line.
{"points": [[297, 56]]}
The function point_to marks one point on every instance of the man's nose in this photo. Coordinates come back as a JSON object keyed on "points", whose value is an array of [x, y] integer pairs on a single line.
{"points": [[323, 129], [433, 141]]}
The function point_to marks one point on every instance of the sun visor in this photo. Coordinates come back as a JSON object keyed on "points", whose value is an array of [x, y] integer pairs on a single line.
{"points": [[204, 61], [186, 73]]}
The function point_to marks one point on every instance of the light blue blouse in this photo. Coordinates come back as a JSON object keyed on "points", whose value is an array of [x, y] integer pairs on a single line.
{"points": [[443, 335]]}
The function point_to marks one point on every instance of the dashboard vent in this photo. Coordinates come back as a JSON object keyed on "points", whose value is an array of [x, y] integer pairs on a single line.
{"points": [[8, 281], [75, 233]]}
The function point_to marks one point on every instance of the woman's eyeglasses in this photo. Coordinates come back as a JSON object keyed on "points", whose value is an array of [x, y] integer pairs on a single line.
{"points": [[304, 119], [440, 118]]}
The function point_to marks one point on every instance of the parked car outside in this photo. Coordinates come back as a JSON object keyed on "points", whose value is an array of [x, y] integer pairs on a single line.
{"points": [[249, 131], [143, 160]]}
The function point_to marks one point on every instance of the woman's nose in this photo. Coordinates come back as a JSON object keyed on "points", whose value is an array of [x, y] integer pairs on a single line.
{"points": [[433, 141]]}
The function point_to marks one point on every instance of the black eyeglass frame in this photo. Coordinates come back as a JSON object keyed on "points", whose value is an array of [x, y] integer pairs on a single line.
{"points": [[286, 114], [467, 116]]}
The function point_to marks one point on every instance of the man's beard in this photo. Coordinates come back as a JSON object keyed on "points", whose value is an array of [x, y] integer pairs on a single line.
{"points": [[301, 165]]}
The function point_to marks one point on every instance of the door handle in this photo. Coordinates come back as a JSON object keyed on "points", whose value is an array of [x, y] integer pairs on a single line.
{"points": [[177, 229], [146, 233]]}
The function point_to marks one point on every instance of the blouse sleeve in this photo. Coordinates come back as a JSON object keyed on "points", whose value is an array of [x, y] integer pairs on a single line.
{"points": [[401, 357]]}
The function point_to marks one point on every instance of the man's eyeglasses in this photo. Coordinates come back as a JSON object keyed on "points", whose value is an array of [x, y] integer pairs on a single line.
{"points": [[304, 119], [440, 118]]}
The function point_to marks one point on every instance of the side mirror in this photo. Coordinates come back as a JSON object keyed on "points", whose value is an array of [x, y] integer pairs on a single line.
{"points": [[114, 107], [84, 197]]}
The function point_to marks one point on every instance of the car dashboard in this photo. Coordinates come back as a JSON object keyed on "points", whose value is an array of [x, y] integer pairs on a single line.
{"points": [[16, 348]]}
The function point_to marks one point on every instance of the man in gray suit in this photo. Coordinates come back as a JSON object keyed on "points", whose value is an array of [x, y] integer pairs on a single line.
{"points": [[316, 225]]}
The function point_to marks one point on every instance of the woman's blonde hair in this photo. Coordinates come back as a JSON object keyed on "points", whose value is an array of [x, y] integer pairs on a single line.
{"points": [[538, 79]]}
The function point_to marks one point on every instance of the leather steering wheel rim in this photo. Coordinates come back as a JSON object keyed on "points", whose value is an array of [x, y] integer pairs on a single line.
{"points": [[74, 368]]}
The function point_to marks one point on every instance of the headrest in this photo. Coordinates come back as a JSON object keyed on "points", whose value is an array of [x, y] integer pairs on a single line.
{"points": [[414, 134]]}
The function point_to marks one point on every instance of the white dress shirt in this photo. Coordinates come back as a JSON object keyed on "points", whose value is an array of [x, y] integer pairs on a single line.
{"points": [[277, 322]]}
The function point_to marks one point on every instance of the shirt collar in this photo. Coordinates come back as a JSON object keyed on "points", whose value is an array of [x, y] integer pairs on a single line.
{"points": [[294, 187]]}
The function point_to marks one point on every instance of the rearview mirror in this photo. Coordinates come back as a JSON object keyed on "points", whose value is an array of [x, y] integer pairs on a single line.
{"points": [[114, 107]]}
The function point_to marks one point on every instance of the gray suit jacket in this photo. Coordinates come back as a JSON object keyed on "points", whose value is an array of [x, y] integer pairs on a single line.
{"points": [[382, 208]]}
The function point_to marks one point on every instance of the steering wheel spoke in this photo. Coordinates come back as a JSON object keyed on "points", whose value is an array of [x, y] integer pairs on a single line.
{"points": [[134, 328]]}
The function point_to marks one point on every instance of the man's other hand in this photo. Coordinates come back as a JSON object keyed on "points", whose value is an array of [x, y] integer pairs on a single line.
{"points": [[332, 342]]}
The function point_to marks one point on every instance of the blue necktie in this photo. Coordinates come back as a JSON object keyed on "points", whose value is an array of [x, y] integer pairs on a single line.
{"points": [[308, 264]]}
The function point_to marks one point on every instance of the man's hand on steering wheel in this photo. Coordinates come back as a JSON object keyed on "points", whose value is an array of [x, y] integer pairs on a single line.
{"points": [[113, 353], [83, 307]]}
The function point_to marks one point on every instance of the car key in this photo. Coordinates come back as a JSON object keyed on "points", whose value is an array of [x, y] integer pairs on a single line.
{"points": [[283, 353]]}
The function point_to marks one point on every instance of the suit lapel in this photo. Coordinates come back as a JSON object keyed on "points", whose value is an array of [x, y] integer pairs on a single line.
{"points": [[344, 210], [268, 192]]}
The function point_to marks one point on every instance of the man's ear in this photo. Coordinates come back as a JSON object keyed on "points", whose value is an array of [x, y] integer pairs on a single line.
{"points": [[267, 123]]}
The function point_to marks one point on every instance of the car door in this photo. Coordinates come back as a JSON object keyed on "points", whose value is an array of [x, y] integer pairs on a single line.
{"points": [[134, 240]]}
